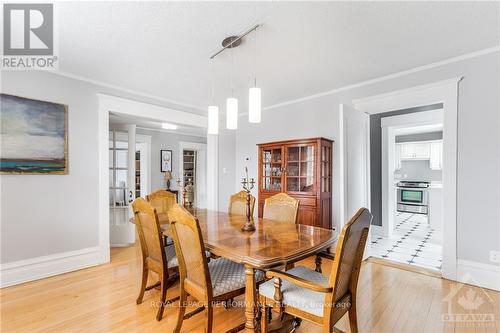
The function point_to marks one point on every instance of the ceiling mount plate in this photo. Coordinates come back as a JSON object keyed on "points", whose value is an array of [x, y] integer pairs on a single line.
{"points": [[231, 41]]}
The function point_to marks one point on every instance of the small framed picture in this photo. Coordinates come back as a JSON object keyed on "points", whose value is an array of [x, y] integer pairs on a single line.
{"points": [[166, 160]]}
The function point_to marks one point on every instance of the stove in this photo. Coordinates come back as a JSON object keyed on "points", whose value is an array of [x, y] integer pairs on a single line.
{"points": [[413, 184], [413, 197]]}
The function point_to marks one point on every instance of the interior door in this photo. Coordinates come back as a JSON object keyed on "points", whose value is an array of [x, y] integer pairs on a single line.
{"points": [[354, 161], [122, 180]]}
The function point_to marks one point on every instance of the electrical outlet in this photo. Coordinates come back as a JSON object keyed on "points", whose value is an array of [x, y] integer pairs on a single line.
{"points": [[495, 256]]}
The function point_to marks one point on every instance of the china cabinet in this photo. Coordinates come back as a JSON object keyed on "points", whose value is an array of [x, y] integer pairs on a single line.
{"points": [[303, 170]]}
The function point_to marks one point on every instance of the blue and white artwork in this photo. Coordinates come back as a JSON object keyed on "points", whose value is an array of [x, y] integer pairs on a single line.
{"points": [[33, 136]]}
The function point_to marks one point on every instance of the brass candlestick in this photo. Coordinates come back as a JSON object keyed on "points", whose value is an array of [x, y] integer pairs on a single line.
{"points": [[248, 184]]}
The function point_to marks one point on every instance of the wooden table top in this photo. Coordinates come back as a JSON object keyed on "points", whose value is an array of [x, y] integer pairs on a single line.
{"points": [[272, 243]]}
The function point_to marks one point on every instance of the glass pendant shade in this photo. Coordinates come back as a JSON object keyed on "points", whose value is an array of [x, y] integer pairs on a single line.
{"points": [[254, 105], [213, 119], [232, 113]]}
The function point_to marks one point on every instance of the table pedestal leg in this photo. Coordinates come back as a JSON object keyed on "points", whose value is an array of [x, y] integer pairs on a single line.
{"points": [[250, 299]]}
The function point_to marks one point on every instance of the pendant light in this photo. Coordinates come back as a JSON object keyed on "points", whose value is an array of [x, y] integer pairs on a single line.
{"points": [[254, 95], [232, 103], [213, 110]]}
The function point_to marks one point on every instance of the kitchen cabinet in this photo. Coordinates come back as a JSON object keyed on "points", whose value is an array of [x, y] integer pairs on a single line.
{"points": [[414, 150], [425, 150], [436, 207], [436, 155]]}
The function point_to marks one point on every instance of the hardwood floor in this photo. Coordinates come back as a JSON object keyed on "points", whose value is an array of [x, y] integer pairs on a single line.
{"points": [[102, 299]]}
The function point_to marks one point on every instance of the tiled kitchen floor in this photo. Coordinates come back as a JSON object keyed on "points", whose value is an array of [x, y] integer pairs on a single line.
{"points": [[413, 242]]}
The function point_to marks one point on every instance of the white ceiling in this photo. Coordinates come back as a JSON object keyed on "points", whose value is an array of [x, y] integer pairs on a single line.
{"points": [[419, 129], [144, 123], [162, 48]]}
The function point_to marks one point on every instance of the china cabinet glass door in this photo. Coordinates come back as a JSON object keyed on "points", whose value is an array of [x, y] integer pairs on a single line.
{"points": [[272, 169], [300, 169], [326, 169]]}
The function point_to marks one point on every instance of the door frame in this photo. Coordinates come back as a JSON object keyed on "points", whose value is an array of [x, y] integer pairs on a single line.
{"points": [[445, 92], [201, 168], [128, 107]]}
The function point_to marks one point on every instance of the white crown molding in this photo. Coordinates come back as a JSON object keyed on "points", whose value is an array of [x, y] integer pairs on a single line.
{"points": [[415, 96], [21, 271], [297, 100], [387, 77], [479, 274], [127, 90]]}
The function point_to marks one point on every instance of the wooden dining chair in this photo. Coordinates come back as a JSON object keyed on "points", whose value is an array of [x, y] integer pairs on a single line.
{"points": [[281, 207], [207, 282], [238, 203], [155, 256], [162, 200], [307, 294]]}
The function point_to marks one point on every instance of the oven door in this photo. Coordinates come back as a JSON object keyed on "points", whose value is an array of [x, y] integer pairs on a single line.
{"points": [[412, 196]]}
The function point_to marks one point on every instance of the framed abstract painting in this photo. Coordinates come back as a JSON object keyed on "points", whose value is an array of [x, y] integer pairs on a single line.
{"points": [[33, 136]]}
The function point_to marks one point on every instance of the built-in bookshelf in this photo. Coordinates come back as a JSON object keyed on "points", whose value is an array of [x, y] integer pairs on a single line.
{"points": [[137, 174], [189, 167]]}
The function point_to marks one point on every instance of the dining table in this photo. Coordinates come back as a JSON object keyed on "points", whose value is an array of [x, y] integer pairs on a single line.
{"points": [[272, 243]]}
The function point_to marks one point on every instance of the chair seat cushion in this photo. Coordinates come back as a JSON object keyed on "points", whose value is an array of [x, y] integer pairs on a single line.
{"points": [[228, 276], [298, 297], [172, 256]]}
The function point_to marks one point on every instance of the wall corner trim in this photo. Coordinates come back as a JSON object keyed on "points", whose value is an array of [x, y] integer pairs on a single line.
{"points": [[26, 270], [479, 274]]}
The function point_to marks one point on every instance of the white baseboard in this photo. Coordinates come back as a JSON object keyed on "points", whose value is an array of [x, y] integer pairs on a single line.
{"points": [[377, 230], [21, 271], [479, 274]]}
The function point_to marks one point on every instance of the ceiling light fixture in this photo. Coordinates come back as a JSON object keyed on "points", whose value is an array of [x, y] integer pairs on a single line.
{"points": [[232, 102], [213, 110], [255, 104], [168, 126], [254, 95]]}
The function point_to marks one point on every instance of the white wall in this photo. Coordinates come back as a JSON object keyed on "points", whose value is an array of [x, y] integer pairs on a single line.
{"points": [[227, 172], [478, 212], [45, 215], [62, 214], [417, 170]]}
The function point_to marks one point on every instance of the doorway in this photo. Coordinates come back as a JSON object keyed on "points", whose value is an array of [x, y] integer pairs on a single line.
{"points": [[189, 122], [411, 174], [445, 93]]}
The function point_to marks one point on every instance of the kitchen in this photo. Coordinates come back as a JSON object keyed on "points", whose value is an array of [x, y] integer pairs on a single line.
{"points": [[414, 220]]}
